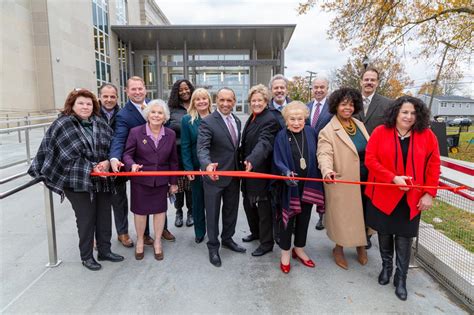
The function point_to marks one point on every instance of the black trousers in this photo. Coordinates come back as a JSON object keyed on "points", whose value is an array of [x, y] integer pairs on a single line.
{"points": [[120, 207], [179, 203], [260, 220], [92, 217], [297, 225], [213, 196]]}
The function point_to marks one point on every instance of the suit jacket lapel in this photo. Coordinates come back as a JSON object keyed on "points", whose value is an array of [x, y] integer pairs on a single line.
{"points": [[372, 107], [223, 125], [135, 113], [147, 140], [322, 115], [239, 128]]}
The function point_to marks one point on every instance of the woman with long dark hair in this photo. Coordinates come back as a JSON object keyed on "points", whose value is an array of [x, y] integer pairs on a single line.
{"points": [[403, 151], [178, 103]]}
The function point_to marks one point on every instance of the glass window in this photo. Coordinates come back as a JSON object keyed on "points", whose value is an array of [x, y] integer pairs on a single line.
{"points": [[121, 9], [100, 18]]}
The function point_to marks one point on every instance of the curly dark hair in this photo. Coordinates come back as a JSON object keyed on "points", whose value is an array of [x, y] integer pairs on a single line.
{"points": [[345, 94], [174, 100], [422, 113]]}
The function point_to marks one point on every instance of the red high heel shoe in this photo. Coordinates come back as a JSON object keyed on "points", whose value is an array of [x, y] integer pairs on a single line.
{"points": [[308, 263], [285, 268]]}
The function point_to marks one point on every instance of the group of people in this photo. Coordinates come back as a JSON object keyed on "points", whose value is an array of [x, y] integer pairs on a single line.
{"points": [[351, 135]]}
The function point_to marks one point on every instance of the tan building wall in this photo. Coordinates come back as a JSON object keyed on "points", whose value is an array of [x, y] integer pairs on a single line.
{"points": [[48, 49], [23, 39], [72, 47]]}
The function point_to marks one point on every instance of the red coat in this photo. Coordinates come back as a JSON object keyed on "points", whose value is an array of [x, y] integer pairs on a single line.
{"points": [[384, 160]]}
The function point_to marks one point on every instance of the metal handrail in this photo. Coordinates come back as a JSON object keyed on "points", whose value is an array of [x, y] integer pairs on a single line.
{"points": [[13, 177], [49, 214], [27, 119], [21, 128]]}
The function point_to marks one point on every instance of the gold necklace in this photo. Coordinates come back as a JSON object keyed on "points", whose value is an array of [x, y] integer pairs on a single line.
{"points": [[351, 129]]}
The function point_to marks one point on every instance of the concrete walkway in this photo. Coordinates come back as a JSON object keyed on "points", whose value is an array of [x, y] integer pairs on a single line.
{"points": [[185, 282]]}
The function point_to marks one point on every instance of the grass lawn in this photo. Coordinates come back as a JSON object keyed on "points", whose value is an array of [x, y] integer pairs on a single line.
{"points": [[455, 223], [465, 153]]}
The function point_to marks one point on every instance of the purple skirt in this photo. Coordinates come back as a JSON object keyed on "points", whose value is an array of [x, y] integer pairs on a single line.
{"points": [[148, 200]]}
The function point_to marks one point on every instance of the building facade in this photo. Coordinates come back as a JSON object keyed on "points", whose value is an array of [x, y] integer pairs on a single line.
{"points": [[70, 44], [450, 106], [50, 47]]}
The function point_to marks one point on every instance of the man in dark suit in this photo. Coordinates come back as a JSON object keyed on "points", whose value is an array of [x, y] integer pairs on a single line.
{"points": [[108, 96], [318, 119], [217, 149], [131, 116], [278, 85], [374, 104]]}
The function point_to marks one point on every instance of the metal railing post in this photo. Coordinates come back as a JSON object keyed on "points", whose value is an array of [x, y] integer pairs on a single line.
{"points": [[19, 132], [414, 254], [51, 228], [27, 141]]}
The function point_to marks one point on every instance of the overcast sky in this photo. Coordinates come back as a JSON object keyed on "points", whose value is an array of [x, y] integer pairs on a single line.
{"points": [[309, 47]]}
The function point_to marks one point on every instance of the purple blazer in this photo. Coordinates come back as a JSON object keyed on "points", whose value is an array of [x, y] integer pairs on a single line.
{"points": [[140, 149]]}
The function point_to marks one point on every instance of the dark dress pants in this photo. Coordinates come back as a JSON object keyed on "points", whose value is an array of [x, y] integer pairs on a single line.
{"points": [[213, 195], [120, 207], [179, 203], [259, 217], [297, 225], [198, 207], [92, 217]]}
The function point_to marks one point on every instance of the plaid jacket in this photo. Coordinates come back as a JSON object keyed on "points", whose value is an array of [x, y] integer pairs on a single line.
{"points": [[65, 157]]}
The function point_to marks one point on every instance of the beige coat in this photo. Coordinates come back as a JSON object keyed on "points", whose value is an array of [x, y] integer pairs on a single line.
{"points": [[344, 218]]}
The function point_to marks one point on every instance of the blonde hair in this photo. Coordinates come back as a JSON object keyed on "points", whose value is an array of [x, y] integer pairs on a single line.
{"points": [[261, 89], [135, 78], [192, 111], [295, 106]]}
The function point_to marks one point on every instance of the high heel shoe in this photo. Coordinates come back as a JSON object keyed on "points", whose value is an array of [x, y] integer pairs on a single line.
{"points": [[285, 268], [308, 263], [139, 256], [159, 256]]}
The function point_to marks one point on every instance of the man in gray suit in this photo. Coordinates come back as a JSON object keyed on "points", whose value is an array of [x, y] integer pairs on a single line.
{"points": [[374, 104], [217, 149]]}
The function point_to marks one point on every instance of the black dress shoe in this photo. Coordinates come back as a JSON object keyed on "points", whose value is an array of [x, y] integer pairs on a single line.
{"points": [[110, 257], [189, 220], [261, 251], [91, 264], [199, 239], [214, 258], [233, 246], [179, 219], [320, 225], [249, 238]]}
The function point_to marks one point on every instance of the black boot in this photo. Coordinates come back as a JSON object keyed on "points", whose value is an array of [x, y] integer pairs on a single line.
{"points": [[386, 252], [403, 250]]}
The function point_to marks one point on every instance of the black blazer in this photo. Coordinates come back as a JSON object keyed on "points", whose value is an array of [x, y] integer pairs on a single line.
{"points": [[375, 112], [214, 145], [257, 148]]}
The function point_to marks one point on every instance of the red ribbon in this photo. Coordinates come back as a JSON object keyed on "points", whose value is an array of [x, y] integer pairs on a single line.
{"points": [[256, 175]]}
